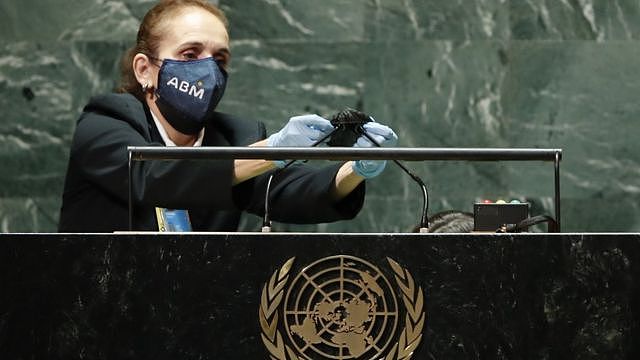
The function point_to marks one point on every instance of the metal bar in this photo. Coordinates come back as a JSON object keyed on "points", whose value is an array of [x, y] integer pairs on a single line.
{"points": [[139, 153], [130, 184], [557, 190], [143, 153]]}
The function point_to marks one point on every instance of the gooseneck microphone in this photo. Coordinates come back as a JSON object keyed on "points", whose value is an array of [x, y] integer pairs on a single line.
{"points": [[348, 127], [424, 221]]}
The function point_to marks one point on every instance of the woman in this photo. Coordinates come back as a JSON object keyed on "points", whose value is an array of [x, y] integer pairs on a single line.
{"points": [[173, 78]]}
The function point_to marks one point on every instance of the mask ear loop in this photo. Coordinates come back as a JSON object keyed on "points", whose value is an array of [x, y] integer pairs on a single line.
{"points": [[152, 61]]}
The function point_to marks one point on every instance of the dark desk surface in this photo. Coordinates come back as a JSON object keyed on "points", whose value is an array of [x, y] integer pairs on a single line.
{"points": [[197, 296]]}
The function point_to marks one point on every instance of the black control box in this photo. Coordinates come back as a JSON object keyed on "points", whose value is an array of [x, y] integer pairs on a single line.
{"points": [[492, 216]]}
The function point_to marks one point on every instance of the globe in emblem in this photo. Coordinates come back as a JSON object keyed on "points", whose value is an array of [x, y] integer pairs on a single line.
{"points": [[341, 307]]}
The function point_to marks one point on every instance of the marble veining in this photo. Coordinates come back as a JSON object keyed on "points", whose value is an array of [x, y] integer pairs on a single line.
{"points": [[522, 296]]}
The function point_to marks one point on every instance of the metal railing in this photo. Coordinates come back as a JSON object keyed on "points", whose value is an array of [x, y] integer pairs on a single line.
{"points": [[144, 153]]}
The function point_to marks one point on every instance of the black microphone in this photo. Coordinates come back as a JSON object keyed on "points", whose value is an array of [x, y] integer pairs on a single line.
{"points": [[348, 127]]}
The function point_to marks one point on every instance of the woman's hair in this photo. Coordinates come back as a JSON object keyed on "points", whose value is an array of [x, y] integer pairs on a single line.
{"points": [[151, 33]]}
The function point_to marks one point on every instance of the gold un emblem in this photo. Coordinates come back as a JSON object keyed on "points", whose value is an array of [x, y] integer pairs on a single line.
{"points": [[341, 307]]}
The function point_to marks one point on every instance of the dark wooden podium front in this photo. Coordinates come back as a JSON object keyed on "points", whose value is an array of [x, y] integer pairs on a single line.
{"points": [[317, 296]]}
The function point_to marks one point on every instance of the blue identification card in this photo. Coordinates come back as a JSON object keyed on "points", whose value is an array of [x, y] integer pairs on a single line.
{"points": [[171, 220]]}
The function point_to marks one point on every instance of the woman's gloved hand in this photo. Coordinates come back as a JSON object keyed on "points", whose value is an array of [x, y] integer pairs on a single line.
{"points": [[384, 136], [301, 131]]}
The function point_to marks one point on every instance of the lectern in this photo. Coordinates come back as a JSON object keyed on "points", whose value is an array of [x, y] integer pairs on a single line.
{"points": [[294, 296], [319, 296]]}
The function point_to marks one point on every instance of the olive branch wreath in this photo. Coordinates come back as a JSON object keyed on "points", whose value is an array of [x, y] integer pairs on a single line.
{"points": [[273, 291], [414, 320]]}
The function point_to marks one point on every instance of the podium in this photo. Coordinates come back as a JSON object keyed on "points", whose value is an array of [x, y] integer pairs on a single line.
{"points": [[316, 296]]}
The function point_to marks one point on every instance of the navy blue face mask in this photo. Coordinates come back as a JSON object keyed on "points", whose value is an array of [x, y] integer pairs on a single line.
{"points": [[189, 91]]}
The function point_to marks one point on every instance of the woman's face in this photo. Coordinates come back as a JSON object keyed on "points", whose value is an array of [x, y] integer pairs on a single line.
{"points": [[194, 34]]}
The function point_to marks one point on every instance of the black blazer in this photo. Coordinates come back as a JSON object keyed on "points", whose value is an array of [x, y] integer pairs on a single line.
{"points": [[95, 197]]}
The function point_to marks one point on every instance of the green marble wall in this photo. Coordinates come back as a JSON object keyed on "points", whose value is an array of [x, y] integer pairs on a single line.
{"points": [[443, 73]]}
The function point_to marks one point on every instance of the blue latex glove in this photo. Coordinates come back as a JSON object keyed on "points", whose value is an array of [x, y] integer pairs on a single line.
{"points": [[300, 131], [384, 136]]}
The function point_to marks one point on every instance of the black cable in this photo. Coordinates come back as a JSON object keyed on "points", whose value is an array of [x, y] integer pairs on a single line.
{"points": [[552, 224]]}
